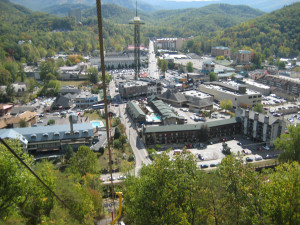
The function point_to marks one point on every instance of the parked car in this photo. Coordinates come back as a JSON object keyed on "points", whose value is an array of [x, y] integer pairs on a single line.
{"points": [[266, 148], [258, 158], [239, 143], [203, 166], [200, 157], [248, 159], [259, 148], [213, 165]]}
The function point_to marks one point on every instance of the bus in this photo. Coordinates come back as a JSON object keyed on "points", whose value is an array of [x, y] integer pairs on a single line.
{"points": [[98, 106]]}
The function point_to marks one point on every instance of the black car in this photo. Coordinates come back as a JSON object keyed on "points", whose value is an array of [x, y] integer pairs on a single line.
{"points": [[239, 143], [200, 157], [249, 159], [203, 166], [213, 165]]}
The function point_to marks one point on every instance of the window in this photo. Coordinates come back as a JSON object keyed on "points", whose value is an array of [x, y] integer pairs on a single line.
{"points": [[45, 135]]}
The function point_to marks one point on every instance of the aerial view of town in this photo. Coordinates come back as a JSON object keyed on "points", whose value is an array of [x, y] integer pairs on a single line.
{"points": [[158, 112]]}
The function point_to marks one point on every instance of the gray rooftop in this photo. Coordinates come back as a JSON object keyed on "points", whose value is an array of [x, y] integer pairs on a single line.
{"points": [[188, 127], [137, 111], [56, 132]]}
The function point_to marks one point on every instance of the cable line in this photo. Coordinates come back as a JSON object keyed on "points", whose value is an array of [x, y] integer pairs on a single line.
{"points": [[39, 179]]}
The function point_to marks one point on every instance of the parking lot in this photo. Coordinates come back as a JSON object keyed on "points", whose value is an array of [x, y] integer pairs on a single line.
{"points": [[211, 154]]}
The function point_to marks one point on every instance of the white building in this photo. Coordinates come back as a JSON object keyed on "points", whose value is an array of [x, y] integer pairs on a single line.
{"points": [[260, 127], [237, 93], [263, 89]]}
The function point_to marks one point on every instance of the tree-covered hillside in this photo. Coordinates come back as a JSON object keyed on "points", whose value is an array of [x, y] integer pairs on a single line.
{"points": [[196, 21], [274, 33]]}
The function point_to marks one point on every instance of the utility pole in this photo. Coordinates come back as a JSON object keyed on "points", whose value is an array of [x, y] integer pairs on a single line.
{"points": [[99, 16]]}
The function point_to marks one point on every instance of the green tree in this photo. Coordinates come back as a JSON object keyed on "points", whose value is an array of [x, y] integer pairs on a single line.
{"points": [[289, 144], [84, 161], [123, 140], [226, 105], [47, 67], [15, 179], [69, 152], [189, 67], [93, 75], [280, 194], [117, 144], [213, 76], [258, 108], [117, 133], [166, 190], [51, 122], [23, 123]]}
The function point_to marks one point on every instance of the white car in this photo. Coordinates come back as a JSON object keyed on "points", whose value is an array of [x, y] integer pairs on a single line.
{"points": [[266, 148], [258, 158]]}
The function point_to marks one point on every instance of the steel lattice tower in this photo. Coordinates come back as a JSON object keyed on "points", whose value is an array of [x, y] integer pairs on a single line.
{"points": [[137, 23]]}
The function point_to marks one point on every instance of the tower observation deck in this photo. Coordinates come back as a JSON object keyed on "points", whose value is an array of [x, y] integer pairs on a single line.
{"points": [[137, 23]]}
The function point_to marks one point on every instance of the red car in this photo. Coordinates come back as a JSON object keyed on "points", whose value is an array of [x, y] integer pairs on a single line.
{"points": [[259, 149]]}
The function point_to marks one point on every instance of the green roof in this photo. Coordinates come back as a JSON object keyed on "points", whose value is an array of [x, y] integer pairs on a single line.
{"points": [[137, 111], [188, 127], [164, 109]]}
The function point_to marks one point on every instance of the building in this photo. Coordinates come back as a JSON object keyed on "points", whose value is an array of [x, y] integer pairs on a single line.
{"points": [[167, 115], [139, 88], [197, 77], [5, 108], [174, 98], [169, 43], [289, 86], [54, 138], [220, 50], [260, 127], [135, 112], [117, 60], [208, 66], [243, 57], [190, 133], [13, 121], [263, 89], [237, 93], [86, 99], [61, 103], [18, 87], [198, 100]]}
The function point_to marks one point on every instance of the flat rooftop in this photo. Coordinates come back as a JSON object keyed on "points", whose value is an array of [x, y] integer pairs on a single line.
{"points": [[251, 82], [197, 94], [223, 87]]}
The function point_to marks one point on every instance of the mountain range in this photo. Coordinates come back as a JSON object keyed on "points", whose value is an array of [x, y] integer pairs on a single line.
{"points": [[153, 5]]}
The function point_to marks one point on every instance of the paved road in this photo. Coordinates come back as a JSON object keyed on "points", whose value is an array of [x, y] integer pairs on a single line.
{"points": [[139, 150]]}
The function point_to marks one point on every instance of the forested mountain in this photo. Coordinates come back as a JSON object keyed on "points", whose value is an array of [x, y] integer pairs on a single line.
{"points": [[62, 10], [274, 33], [10, 11], [196, 21], [264, 5], [129, 4]]}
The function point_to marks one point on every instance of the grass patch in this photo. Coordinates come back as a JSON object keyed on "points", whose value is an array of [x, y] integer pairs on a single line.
{"points": [[264, 163], [120, 158], [95, 115], [73, 83]]}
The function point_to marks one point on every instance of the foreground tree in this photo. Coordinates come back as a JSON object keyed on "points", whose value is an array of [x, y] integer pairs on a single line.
{"points": [[84, 161], [289, 143]]}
